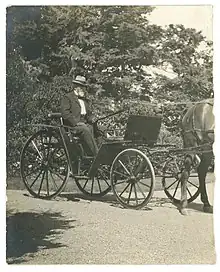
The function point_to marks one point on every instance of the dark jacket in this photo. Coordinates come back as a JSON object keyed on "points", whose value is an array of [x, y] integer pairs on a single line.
{"points": [[71, 110]]}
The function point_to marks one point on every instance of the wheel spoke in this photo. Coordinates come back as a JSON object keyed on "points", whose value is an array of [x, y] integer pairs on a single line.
{"points": [[48, 147], [129, 196], [126, 170], [140, 167], [121, 174], [189, 191], [42, 143], [32, 152], [103, 178], [135, 193], [171, 184], [36, 178], [130, 164], [53, 179], [42, 179], [47, 182], [56, 174], [193, 184], [121, 181], [124, 189], [176, 189], [141, 190], [92, 185], [37, 149], [85, 184], [99, 186], [33, 171], [135, 163], [144, 184]]}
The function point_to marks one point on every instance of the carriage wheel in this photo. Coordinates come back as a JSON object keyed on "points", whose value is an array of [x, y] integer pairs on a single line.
{"points": [[172, 184], [97, 186], [132, 178], [44, 164]]}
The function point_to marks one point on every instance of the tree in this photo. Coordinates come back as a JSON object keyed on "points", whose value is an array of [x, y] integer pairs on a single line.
{"points": [[190, 56], [110, 45]]}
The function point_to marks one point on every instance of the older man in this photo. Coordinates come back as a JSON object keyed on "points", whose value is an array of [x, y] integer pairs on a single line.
{"points": [[75, 113]]}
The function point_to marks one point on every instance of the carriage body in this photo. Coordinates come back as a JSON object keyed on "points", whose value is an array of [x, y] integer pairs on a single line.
{"points": [[126, 165]]}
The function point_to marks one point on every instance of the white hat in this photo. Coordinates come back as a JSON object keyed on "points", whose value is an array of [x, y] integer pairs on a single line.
{"points": [[81, 80]]}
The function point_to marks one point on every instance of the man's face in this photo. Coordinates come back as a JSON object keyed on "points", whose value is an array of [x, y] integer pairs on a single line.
{"points": [[80, 91]]}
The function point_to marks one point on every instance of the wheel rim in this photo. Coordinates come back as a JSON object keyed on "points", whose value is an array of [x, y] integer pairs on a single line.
{"points": [[44, 165], [172, 184], [97, 186], [132, 178]]}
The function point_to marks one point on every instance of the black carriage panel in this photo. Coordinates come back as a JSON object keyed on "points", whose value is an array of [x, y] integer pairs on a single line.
{"points": [[106, 154], [143, 129]]}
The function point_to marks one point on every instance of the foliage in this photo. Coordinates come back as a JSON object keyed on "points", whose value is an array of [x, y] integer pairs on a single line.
{"points": [[19, 90]]}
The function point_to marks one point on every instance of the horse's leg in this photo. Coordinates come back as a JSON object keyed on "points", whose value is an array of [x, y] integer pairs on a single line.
{"points": [[202, 172], [184, 178]]}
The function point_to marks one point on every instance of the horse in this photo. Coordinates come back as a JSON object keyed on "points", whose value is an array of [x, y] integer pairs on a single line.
{"points": [[197, 129]]}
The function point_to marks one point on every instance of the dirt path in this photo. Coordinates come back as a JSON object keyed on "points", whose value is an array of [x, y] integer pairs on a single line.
{"points": [[74, 230]]}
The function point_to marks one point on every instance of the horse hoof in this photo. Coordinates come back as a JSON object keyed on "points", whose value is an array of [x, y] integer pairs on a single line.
{"points": [[208, 209], [184, 212]]}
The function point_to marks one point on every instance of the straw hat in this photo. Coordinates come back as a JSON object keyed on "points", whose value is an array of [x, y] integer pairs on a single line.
{"points": [[80, 80]]}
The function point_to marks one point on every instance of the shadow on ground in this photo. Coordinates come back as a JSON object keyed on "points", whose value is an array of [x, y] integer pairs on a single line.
{"points": [[111, 199], [29, 232]]}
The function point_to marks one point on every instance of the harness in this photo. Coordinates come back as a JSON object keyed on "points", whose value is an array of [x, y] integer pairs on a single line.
{"points": [[194, 130]]}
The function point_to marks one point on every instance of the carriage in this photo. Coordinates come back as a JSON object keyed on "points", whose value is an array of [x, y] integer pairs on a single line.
{"points": [[128, 166]]}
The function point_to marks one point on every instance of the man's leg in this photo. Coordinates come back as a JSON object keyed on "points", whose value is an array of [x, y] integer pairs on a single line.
{"points": [[87, 136], [100, 134]]}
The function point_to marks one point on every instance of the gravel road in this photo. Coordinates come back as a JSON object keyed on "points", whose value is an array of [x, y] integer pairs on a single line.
{"points": [[74, 230]]}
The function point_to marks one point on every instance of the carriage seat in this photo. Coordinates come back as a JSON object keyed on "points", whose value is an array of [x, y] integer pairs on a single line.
{"points": [[56, 115]]}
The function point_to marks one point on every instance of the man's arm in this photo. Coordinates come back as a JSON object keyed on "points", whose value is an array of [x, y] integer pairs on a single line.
{"points": [[89, 116], [66, 111]]}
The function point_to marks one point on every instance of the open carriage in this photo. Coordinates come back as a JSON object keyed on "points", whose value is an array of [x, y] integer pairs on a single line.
{"points": [[129, 167]]}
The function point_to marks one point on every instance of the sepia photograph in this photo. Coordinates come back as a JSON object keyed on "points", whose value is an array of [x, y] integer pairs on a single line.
{"points": [[109, 135]]}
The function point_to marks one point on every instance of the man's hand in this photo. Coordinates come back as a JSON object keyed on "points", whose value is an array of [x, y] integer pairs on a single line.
{"points": [[81, 124], [90, 120]]}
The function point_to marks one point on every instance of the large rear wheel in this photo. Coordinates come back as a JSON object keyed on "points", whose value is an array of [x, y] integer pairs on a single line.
{"points": [[44, 164]]}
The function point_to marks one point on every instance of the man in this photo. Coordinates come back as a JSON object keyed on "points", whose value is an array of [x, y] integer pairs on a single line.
{"points": [[75, 113]]}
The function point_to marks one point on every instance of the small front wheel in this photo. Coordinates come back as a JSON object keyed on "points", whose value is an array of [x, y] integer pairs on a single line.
{"points": [[132, 178], [171, 181]]}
